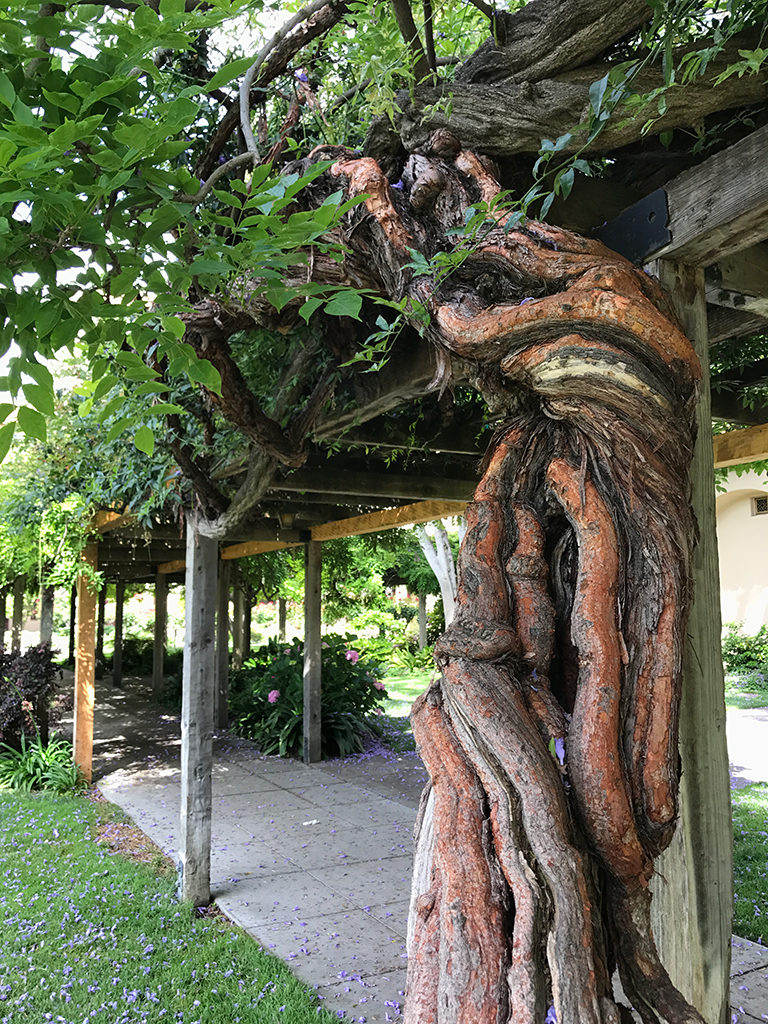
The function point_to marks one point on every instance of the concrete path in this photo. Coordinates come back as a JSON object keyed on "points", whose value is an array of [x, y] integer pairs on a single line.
{"points": [[315, 862]]}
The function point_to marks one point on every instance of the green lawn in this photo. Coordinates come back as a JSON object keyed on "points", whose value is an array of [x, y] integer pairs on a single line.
{"points": [[402, 690], [746, 690], [89, 935], [750, 857]]}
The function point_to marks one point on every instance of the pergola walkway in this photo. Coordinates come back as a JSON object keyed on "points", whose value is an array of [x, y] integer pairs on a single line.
{"points": [[313, 861]]}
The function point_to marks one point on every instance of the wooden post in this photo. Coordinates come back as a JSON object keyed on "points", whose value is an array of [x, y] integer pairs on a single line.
{"points": [[694, 880], [161, 629], [72, 624], [312, 652], [19, 586], [85, 667], [247, 612], [117, 651], [238, 632], [100, 632], [422, 621], [3, 615], [197, 716], [46, 615], [282, 618], [222, 646]]}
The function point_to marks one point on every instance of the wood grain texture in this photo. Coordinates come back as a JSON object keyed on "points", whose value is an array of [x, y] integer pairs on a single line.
{"points": [[197, 716], [85, 665], [313, 662], [739, 446]]}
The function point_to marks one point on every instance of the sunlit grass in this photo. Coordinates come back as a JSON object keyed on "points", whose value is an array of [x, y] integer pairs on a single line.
{"points": [[750, 862], [402, 690], [746, 690], [88, 935]]}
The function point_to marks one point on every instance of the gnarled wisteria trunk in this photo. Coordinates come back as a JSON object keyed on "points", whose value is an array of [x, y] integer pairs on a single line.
{"points": [[551, 736]]}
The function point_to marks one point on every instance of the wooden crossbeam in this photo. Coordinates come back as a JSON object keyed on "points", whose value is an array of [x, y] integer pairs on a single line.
{"points": [[256, 547], [388, 485], [386, 519], [106, 520], [739, 446], [721, 205], [169, 567]]}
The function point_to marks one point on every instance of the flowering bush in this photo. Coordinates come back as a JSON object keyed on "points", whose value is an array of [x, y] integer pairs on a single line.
{"points": [[266, 697], [26, 687]]}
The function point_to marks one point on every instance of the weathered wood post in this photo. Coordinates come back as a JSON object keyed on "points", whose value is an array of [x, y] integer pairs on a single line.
{"points": [[117, 652], [312, 651], [46, 614], [694, 881], [100, 632], [19, 586], [85, 662], [222, 645], [161, 630], [282, 618], [72, 625], [238, 631], [422, 621], [3, 615], [247, 613], [197, 716]]}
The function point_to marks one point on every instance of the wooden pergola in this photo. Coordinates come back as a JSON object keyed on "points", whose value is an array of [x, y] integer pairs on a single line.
{"points": [[713, 260]]}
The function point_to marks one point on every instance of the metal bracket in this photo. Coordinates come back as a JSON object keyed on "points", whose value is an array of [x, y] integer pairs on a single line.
{"points": [[640, 230]]}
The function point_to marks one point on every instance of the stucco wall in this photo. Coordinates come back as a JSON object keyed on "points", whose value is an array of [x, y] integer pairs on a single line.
{"points": [[742, 540]]}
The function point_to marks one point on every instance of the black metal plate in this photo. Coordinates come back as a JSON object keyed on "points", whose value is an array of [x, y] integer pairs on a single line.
{"points": [[640, 230]]}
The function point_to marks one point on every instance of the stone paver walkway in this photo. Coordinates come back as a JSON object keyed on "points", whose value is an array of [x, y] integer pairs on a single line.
{"points": [[315, 862]]}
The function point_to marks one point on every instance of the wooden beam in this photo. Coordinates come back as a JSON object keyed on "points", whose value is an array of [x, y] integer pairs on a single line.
{"points": [[724, 322], [169, 567], [197, 717], [160, 633], [387, 519], [106, 520], [222, 646], [721, 205], [693, 905], [745, 272], [312, 653], [85, 663], [388, 485], [256, 547], [737, 446]]}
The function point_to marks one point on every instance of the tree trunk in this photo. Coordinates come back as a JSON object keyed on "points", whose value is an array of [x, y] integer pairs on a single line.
{"points": [[551, 738], [437, 551], [422, 621], [46, 614]]}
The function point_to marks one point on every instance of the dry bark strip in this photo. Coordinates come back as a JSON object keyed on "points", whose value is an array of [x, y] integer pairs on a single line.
{"points": [[551, 738]]}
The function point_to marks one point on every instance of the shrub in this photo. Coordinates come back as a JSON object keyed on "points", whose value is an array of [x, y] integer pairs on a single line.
{"points": [[40, 765], [26, 689], [744, 653], [266, 697]]}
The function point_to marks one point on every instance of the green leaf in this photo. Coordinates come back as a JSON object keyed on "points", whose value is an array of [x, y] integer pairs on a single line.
{"points": [[347, 303], [597, 92], [232, 70], [7, 92], [6, 436], [548, 200], [564, 182], [32, 423], [309, 307], [5, 411], [205, 373], [144, 440], [40, 373], [40, 397], [202, 265]]}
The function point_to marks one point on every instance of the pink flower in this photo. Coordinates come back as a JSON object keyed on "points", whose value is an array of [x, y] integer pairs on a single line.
{"points": [[272, 696], [378, 684], [352, 656]]}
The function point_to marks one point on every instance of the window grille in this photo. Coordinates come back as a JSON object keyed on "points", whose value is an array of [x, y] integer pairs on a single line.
{"points": [[760, 506]]}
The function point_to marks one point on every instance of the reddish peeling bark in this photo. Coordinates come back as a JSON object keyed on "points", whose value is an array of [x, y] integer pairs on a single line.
{"points": [[551, 738]]}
